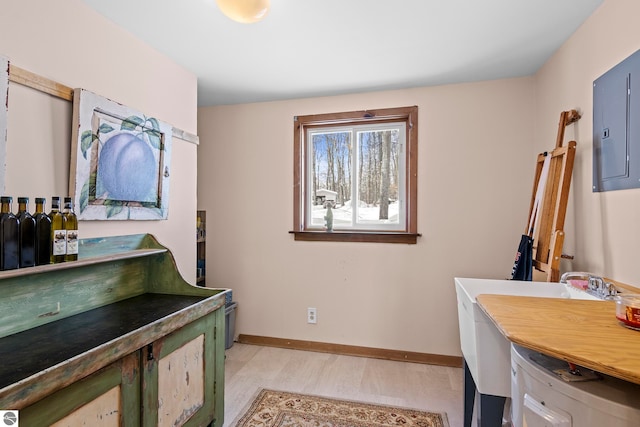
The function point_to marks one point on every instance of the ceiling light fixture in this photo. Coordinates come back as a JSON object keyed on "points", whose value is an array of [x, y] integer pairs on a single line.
{"points": [[244, 11]]}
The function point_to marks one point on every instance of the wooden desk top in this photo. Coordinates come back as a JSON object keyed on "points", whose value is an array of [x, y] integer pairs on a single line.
{"points": [[584, 332]]}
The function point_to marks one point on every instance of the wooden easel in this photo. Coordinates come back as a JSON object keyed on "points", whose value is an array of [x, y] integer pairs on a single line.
{"points": [[548, 234]]}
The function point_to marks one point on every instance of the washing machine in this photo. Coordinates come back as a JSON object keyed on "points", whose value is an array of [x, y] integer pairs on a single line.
{"points": [[542, 398]]}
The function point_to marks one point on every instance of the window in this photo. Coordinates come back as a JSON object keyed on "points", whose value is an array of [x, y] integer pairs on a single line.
{"points": [[364, 156]]}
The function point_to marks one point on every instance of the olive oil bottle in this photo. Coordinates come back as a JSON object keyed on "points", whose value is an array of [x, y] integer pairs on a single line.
{"points": [[43, 233], [27, 234], [58, 232], [71, 226], [9, 236]]}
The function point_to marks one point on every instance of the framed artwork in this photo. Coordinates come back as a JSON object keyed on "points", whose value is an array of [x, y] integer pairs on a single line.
{"points": [[120, 161], [4, 98]]}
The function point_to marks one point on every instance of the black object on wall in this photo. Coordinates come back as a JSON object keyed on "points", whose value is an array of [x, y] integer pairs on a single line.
{"points": [[616, 127]]}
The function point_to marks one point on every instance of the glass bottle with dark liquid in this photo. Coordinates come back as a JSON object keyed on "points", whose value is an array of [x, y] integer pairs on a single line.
{"points": [[43, 233], [9, 236], [27, 234]]}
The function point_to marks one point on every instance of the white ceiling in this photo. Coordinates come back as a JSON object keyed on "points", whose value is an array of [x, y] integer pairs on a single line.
{"points": [[306, 48]]}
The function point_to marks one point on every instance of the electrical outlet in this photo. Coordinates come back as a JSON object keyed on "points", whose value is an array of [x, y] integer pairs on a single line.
{"points": [[312, 315]]}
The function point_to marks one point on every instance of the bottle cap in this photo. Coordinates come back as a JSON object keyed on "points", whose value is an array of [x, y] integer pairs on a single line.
{"points": [[67, 199], [6, 199], [23, 200], [40, 200]]}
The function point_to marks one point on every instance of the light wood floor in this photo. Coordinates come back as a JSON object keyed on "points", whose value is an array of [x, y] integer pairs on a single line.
{"points": [[411, 385]]}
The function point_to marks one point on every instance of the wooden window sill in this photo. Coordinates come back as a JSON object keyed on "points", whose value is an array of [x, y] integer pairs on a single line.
{"points": [[357, 236]]}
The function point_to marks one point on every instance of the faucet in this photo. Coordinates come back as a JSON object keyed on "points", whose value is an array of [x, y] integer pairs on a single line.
{"points": [[596, 285], [610, 290]]}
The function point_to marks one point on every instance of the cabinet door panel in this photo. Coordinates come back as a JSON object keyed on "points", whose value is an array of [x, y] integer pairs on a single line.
{"points": [[181, 383], [109, 397], [103, 411], [178, 376]]}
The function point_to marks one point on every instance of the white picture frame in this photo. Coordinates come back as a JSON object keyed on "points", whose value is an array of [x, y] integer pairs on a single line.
{"points": [[120, 161]]}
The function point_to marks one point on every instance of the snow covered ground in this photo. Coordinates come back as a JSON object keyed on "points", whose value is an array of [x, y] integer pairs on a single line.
{"points": [[343, 215]]}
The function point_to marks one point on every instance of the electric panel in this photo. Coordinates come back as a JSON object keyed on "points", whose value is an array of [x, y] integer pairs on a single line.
{"points": [[616, 127]]}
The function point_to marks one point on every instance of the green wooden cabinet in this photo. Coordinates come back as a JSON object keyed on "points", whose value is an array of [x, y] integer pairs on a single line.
{"points": [[117, 337]]}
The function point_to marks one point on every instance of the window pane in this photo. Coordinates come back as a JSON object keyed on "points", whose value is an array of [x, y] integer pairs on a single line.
{"points": [[331, 178], [379, 175], [362, 163]]}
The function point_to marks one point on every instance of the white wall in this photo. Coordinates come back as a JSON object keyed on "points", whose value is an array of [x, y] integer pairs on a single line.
{"points": [[71, 44], [603, 229], [475, 172]]}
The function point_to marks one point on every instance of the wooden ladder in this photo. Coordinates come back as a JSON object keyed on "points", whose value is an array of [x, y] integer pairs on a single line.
{"points": [[548, 235]]}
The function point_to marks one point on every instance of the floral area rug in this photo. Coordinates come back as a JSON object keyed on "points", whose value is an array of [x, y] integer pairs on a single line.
{"points": [[283, 409]]}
